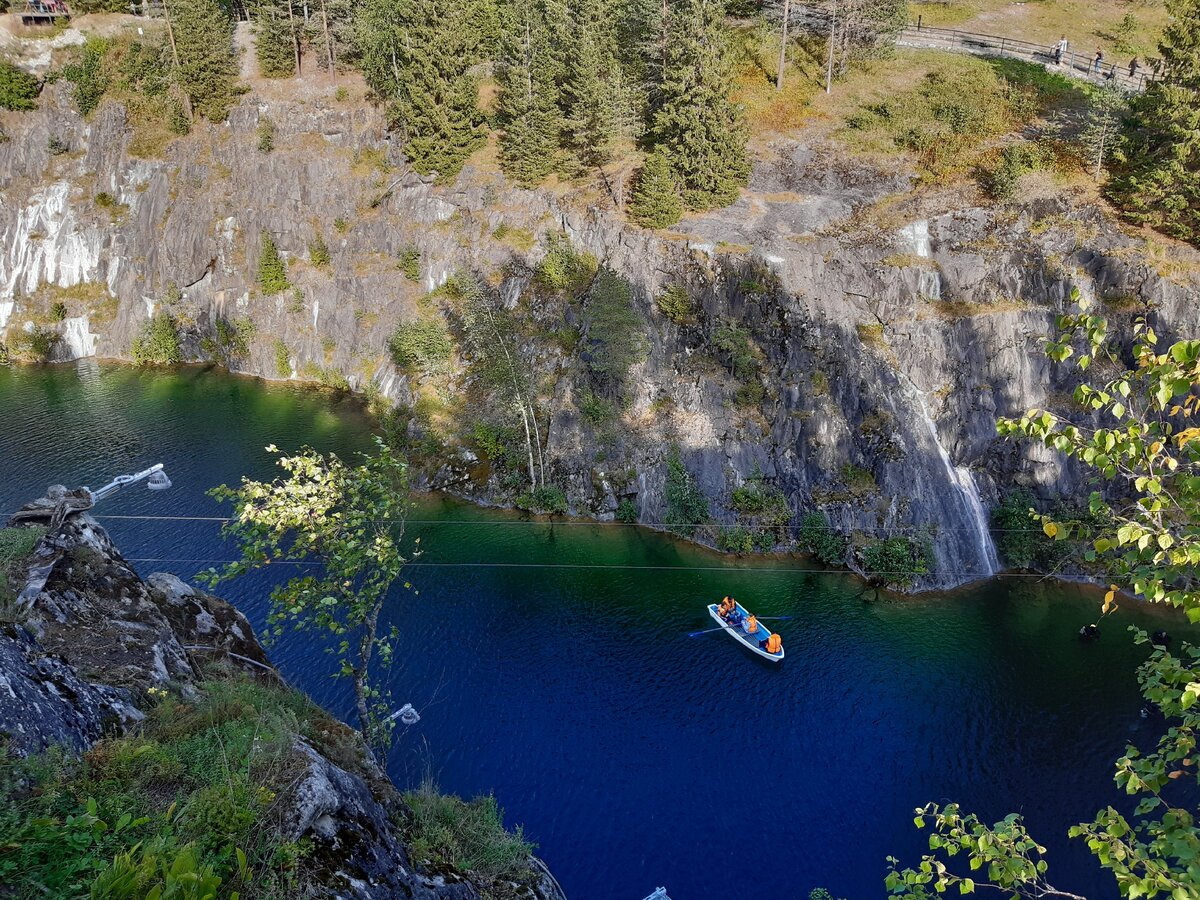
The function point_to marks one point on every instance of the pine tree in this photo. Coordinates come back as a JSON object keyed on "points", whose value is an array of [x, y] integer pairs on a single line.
{"points": [[591, 93], [203, 36], [1157, 178], [414, 54], [272, 270], [696, 125], [528, 105], [274, 44], [655, 202]]}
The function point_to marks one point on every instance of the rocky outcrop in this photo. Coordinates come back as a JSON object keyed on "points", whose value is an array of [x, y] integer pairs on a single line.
{"points": [[95, 638], [44, 702], [891, 327]]}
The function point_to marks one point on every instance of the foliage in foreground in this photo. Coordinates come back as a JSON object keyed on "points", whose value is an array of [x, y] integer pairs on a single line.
{"points": [[1140, 433], [188, 805], [349, 518]]}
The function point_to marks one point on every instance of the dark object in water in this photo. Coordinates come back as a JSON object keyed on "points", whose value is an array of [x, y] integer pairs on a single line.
{"points": [[1160, 639], [1089, 632]]}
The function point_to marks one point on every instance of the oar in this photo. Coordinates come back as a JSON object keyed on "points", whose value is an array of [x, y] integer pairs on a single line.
{"points": [[722, 628]]}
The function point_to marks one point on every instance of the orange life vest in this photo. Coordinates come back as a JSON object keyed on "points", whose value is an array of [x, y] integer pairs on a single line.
{"points": [[774, 644], [751, 625]]}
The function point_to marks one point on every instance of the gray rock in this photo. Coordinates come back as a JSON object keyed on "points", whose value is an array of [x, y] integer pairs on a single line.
{"points": [[44, 702]]}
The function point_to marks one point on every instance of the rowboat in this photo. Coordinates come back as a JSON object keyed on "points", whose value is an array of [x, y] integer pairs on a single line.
{"points": [[750, 640]]}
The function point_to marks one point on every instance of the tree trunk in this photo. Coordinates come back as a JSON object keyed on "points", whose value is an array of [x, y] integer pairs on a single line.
{"points": [[187, 101], [328, 40], [787, 11], [366, 647], [832, 30]]}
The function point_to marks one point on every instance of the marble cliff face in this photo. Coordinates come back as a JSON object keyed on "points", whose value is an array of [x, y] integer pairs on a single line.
{"points": [[889, 327]]}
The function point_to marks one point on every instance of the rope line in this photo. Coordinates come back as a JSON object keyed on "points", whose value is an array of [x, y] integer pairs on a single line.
{"points": [[577, 523], [612, 566]]}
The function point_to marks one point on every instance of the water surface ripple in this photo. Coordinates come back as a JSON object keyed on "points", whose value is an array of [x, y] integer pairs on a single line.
{"points": [[634, 755]]}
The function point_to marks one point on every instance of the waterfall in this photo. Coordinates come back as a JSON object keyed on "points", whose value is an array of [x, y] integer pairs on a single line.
{"points": [[6, 309], [975, 515]]}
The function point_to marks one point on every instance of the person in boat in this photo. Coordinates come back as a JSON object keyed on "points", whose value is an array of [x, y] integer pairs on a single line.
{"points": [[773, 644], [752, 624], [727, 606], [735, 617]]}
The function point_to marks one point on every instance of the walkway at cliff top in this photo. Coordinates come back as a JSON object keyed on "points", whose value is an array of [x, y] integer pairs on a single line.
{"points": [[1074, 65]]}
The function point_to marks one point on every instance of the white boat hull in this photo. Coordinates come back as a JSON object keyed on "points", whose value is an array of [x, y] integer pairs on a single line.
{"points": [[750, 641]]}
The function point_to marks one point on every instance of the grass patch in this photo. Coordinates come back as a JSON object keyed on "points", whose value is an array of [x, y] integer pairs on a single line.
{"points": [[16, 544], [943, 110], [199, 788], [519, 239], [468, 836]]}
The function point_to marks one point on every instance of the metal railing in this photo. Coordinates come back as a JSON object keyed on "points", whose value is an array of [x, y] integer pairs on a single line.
{"points": [[1071, 63], [42, 12]]}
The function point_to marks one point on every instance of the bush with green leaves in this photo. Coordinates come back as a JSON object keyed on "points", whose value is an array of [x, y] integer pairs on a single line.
{"points": [[736, 539], [410, 262], [564, 269], [896, 561], [16, 546], [318, 253], [18, 90], [627, 511], [272, 270], [735, 344], [1014, 161], [676, 304], [820, 539], [548, 499], [88, 74], [1018, 537], [266, 135], [32, 346], [283, 359], [158, 342], [421, 345], [687, 507]]}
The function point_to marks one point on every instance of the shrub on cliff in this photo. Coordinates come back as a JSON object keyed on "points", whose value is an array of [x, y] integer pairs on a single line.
{"points": [[17, 90], [318, 253], [676, 304], [687, 507], [897, 561], [819, 538], [158, 342], [564, 268], [88, 75], [32, 346], [422, 345], [655, 202], [272, 270]]}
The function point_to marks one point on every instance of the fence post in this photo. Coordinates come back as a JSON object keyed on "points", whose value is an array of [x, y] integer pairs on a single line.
{"points": [[1002, 47], [919, 23]]}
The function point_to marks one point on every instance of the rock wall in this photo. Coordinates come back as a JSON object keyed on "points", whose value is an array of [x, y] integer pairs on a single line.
{"points": [[94, 638], [893, 326]]}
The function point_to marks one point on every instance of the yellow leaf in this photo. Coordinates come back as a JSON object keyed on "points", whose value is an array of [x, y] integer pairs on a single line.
{"points": [[1050, 528]]}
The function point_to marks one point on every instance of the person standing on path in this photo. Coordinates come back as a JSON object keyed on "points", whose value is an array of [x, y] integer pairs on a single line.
{"points": [[1060, 50], [1133, 67], [1099, 62]]}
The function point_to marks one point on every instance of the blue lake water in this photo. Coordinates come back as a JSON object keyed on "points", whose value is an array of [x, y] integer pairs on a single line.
{"points": [[551, 664]]}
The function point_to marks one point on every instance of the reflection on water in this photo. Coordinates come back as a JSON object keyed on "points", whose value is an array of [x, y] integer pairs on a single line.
{"points": [[563, 679]]}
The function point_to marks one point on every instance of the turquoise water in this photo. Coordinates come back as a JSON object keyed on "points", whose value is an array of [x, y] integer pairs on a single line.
{"points": [[552, 666]]}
